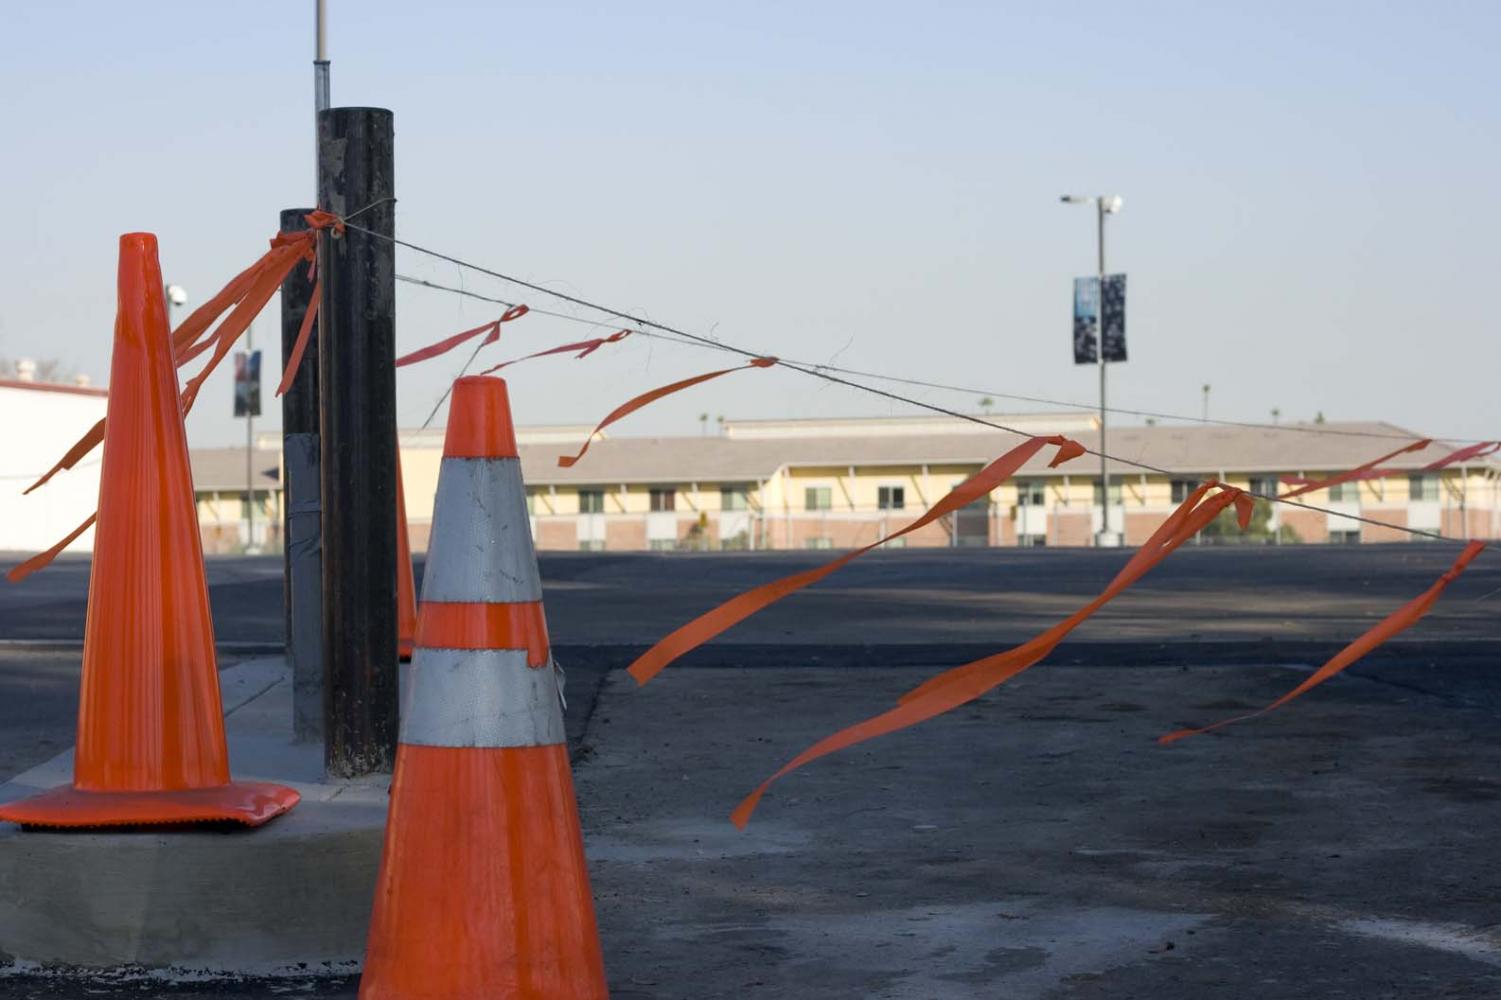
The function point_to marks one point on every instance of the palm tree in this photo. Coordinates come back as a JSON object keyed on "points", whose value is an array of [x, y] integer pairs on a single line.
{"points": [[986, 403]]}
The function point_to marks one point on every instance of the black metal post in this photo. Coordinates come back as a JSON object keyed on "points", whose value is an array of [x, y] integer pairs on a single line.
{"points": [[302, 589], [357, 392]]}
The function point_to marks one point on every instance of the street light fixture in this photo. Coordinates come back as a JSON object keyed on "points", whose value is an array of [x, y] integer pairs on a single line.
{"points": [[1104, 205], [176, 296]]}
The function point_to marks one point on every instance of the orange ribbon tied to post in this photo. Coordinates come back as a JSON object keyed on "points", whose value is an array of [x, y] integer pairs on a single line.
{"points": [[245, 295], [626, 409]]}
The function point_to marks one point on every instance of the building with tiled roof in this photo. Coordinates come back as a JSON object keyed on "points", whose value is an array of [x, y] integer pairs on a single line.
{"points": [[846, 482]]}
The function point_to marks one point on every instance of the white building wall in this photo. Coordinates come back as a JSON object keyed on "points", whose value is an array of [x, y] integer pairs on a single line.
{"points": [[38, 423]]}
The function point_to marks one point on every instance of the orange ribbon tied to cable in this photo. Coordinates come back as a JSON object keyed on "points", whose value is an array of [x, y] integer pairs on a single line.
{"points": [[1369, 470], [1478, 450], [963, 684], [713, 623], [584, 348], [626, 409], [1393, 624], [491, 330]]}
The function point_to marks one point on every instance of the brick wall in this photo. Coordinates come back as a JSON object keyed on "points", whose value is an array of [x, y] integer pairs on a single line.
{"points": [[1002, 529], [627, 535], [1310, 525], [1069, 528], [557, 536], [1139, 526], [1454, 525], [1392, 515]]}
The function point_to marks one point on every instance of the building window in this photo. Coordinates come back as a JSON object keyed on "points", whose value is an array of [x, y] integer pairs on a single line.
{"points": [[664, 500], [1344, 493], [1345, 537], [531, 502], [1115, 493], [663, 544], [818, 543], [891, 497], [1422, 487], [895, 543], [1032, 541], [1182, 488], [1266, 486], [591, 501], [1031, 493], [734, 498], [591, 545], [818, 498]]}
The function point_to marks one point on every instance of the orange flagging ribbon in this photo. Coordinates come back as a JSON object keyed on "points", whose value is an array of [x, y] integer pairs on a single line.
{"points": [[42, 559], [584, 348], [248, 292], [626, 409], [1479, 450], [491, 330], [713, 623], [963, 684], [1359, 472], [304, 333], [1393, 624]]}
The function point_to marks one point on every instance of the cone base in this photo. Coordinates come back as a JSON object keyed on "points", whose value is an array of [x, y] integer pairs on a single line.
{"points": [[483, 890], [251, 803]]}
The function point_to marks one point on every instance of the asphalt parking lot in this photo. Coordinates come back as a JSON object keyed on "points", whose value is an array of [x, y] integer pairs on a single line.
{"points": [[1036, 843]]}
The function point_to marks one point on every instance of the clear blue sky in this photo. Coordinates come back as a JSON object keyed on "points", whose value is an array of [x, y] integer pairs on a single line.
{"points": [[1310, 189]]}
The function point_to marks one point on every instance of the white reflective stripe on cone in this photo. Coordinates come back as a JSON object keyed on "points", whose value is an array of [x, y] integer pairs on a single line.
{"points": [[481, 545], [479, 698]]}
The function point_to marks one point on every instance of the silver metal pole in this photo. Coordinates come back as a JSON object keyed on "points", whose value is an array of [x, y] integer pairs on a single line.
{"points": [[320, 62], [249, 446], [1100, 356]]}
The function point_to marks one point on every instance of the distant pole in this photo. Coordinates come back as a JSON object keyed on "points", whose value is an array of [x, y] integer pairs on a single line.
{"points": [[320, 62], [301, 510], [357, 393], [1100, 210], [249, 447], [1205, 417]]}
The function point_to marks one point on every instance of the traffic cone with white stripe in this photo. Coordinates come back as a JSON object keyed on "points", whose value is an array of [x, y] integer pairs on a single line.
{"points": [[483, 889]]}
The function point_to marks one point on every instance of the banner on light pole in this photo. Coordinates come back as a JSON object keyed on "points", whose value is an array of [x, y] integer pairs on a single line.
{"points": [[248, 384], [1094, 312]]}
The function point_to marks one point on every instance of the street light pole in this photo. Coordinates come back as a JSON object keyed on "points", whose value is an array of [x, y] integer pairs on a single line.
{"points": [[1104, 538], [1104, 205], [249, 445]]}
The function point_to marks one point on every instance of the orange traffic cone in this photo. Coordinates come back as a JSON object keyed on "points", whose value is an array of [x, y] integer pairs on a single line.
{"points": [[406, 588], [483, 889], [150, 723]]}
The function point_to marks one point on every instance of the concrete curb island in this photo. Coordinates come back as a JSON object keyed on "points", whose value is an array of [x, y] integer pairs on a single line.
{"points": [[291, 898]]}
